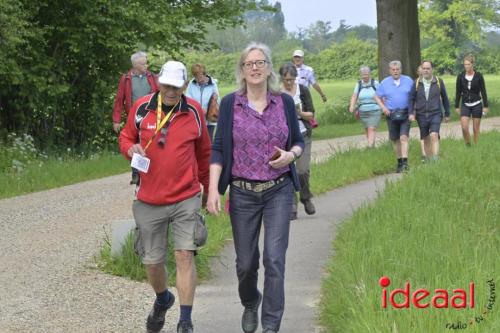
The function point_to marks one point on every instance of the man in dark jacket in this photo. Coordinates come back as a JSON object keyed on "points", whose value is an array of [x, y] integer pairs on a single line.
{"points": [[428, 98]]}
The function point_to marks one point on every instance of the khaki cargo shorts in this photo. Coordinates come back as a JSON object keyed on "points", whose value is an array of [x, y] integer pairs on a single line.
{"points": [[152, 223]]}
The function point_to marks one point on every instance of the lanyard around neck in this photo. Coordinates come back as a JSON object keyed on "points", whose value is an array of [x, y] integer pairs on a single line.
{"points": [[159, 122]]}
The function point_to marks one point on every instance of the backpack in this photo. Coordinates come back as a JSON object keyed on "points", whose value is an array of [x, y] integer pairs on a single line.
{"points": [[438, 83], [372, 85]]}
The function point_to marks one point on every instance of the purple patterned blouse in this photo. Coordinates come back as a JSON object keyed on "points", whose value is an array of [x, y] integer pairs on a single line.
{"points": [[254, 138]]}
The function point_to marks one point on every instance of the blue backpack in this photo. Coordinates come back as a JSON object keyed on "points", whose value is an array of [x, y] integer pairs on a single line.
{"points": [[372, 85]]}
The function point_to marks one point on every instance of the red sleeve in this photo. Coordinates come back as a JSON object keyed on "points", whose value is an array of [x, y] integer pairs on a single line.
{"points": [[203, 148], [119, 101], [129, 135]]}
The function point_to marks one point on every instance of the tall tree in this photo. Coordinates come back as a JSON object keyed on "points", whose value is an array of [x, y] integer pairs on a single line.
{"points": [[64, 57], [398, 35], [451, 28], [319, 36]]}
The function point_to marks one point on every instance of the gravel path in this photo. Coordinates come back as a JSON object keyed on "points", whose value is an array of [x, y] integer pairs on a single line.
{"points": [[49, 239], [47, 274]]}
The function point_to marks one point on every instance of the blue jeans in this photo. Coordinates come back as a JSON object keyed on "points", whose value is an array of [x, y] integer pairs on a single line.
{"points": [[248, 211], [211, 132]]}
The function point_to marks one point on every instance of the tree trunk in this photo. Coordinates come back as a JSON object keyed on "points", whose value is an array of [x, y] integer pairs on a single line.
{"points": [[398, 35]]}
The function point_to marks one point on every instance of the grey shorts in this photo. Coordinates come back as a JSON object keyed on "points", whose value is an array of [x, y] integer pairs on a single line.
{"points": [[429, 122], [397, 128], [152, 223]]}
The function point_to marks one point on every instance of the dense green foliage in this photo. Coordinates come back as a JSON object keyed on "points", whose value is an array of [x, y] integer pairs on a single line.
{"points": [[452, 28], [62, 59], [339, 61], [435, 228]]}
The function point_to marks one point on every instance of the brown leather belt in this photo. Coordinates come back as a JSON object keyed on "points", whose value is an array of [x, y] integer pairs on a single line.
{"points": [[257, 186]]}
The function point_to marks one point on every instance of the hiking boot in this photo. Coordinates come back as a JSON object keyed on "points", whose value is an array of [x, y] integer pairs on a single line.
{"points": [[309, 207], [184, 327], [250, 318], [399, 169], [405, 167], [156, 318]]}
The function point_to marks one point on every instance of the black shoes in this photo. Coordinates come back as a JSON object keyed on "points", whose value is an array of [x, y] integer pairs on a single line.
{"points": [[184, 327], [402, 167], [309, 207], [250, 318], [156, 318]]}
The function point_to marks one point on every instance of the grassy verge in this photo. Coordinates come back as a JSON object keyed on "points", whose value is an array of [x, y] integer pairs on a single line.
{"points": [[436, 228], [128, 264], [51, 173]]}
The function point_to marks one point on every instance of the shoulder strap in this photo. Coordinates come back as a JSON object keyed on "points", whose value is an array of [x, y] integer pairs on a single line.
{"points": [[438, 83], [360, 85], [417, 81]]}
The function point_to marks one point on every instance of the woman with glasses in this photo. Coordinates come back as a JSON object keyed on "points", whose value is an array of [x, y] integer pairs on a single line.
{"points": [[257, 140], [305, 112], [472, 90]]}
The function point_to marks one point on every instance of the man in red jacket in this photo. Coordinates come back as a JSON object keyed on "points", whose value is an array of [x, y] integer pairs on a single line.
{"points": [[169, 130], [133, 85]]}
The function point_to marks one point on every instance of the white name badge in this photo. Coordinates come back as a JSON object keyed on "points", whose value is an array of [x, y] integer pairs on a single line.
{"points": [[140, 162]]}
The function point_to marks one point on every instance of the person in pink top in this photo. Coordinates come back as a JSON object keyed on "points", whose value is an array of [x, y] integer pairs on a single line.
{"points": [[256, 144]]}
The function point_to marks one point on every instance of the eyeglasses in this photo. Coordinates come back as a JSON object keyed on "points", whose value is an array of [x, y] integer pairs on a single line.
{"points": [[257, 63]]}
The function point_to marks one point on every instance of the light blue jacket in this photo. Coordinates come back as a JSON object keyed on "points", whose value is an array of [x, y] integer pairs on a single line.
{"points": [[202, 93]]}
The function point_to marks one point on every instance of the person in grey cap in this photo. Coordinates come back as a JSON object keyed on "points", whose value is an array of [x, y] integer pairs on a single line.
{"points": [[166, 132], [305, 73]]}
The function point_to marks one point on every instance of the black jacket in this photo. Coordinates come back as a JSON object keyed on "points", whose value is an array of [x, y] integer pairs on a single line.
{"points": [[307, 105], [437, 93], [470, 96]]}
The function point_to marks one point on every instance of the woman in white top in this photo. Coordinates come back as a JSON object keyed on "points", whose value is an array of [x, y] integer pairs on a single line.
{"points": [[305, 112], [472, 90]]}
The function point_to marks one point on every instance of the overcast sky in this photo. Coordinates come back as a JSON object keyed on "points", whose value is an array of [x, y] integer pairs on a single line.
{"points": [[301, 13]]}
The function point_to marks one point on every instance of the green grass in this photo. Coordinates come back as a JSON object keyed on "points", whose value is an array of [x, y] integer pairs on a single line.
{"points": [[51, 173], [128, 264], [437, 228]]}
